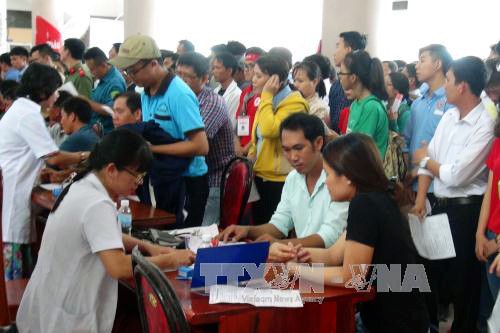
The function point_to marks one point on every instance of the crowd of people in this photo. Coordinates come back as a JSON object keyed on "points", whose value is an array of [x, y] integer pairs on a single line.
{"points": [[341, 153]]}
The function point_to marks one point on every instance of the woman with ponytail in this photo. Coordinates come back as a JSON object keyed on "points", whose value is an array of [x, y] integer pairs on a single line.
{"points": [[307, 80], [83, 253], [365, 76]]}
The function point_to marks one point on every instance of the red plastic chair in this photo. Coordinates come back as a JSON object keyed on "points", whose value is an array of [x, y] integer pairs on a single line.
{"points": [[235, 187], [11, 292], [159, 306]]}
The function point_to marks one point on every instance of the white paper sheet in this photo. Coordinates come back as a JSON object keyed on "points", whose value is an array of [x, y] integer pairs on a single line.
{"points": [[432, 236], [70, 88], [257, 297], [494, 321], [193, 236]]}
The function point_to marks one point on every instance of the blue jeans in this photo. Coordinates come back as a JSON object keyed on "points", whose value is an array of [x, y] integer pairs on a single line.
{"points": [[493, 280]]}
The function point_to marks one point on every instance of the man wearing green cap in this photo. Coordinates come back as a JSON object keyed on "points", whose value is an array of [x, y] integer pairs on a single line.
{"points": [[171, 103]]}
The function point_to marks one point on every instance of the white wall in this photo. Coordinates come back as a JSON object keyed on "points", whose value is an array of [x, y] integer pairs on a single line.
{"points": [[464, 27], [295, 24]]}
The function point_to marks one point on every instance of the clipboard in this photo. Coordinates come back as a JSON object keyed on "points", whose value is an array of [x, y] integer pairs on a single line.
{"points": [[224, 259]]}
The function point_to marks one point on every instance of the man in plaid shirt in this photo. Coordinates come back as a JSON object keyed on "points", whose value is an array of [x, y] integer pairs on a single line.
{"points": [[193, 68]]}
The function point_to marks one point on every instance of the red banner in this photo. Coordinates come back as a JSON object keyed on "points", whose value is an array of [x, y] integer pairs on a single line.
{"points": [[47, 33]]}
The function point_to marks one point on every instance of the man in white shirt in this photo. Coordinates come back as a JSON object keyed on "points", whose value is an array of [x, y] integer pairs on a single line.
{"points": [[305, 205], [455, 159], [224, 66]]}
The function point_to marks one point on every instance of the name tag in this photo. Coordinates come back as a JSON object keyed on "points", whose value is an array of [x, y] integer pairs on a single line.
{"points": [[438, 112], [243, 126]]}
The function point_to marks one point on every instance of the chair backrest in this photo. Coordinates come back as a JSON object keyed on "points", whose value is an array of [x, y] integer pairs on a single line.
{"points": [[159, 306], [235, 187], [4, 306]]}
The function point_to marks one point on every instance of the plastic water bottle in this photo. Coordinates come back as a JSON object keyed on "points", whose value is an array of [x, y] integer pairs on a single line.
{"points": [[125, 216]]}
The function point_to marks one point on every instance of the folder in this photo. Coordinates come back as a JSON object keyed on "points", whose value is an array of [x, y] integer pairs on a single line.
{"points": [[230, 264]]}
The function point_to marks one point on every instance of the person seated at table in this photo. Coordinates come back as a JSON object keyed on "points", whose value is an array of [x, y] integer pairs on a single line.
{"points": [[75, 118], [74, 284], [377, 234], [165, 175], [305, 204], [25, 144]]}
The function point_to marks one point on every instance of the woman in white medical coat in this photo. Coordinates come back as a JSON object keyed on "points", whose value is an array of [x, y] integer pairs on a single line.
{"points": [[74, 285]]}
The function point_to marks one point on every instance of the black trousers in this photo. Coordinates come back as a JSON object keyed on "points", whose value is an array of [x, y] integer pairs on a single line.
{"points": [[461, 275], [270, 196], [197, 194]]}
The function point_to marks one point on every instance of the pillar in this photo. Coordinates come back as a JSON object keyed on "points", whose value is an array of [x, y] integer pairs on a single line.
{"points": [[47, 22], [348, 15], [139, 17]]}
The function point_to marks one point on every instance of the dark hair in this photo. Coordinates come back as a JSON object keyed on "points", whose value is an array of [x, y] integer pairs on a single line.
{"points": [[116, 47], [166, 54], [272, 64], [197, 61], [8, 89], [235, 48], [5, 59], [255, 50], [284, 53], [310, 125], [323, 63], [401, 64], [355, 156], [44, 50], [63, 97], [411, 69], [228, 60], [313, 72], [354, 40], [188, 46], [219, 48], [39, 82], [75, 47], [496, 48], [133, 100], [401, 83], [121, 147], [392, 65], [368, 70], [19, 51], [80, 107], [97, 55], [438, 52], [472, 71]]}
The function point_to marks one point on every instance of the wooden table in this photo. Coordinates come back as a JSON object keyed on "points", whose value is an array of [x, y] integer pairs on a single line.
{"points": [[143, 215], [334, 314]]}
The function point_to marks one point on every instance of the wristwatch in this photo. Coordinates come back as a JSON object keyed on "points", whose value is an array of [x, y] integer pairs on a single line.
{"points": [[423, 162]]}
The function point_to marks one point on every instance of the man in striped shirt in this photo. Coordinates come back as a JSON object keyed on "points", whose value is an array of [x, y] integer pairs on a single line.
{"points": [[193, 68]]}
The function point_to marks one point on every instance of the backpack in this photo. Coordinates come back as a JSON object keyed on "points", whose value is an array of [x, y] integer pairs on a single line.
{"points": [[394, 164]]}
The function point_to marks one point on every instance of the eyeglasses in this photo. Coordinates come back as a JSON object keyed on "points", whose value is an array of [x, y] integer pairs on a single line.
{"points": [[139, 177], [344, 73], [133, 71]]}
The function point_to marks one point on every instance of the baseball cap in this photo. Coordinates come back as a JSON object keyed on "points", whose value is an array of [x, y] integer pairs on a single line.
{"points": [[134, 49]]}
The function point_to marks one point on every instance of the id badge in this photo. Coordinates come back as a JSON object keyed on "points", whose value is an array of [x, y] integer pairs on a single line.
{"points": [[243, 126]]}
